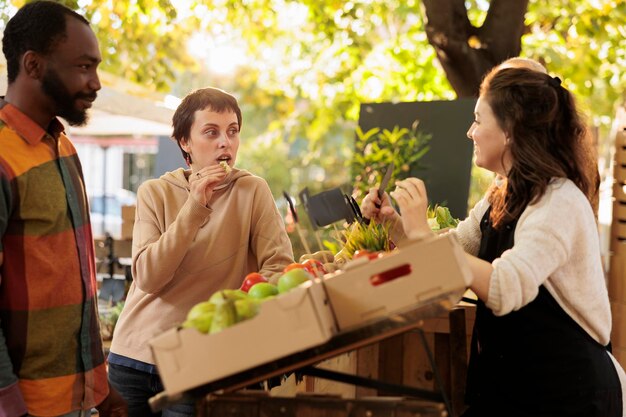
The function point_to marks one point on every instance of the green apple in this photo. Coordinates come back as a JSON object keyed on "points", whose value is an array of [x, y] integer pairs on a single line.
{"points": [[246, 309], [262, 290], [201, 323], [200, 310], [227, 294], [292, 279], [224, 316], [200, 317], [235, 294]]}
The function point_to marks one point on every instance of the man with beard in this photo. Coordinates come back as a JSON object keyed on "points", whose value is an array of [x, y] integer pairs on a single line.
{"points": [[51, 356]]}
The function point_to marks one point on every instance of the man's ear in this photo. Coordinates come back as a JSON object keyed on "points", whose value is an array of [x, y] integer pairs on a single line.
{"points": [[32, 65]]}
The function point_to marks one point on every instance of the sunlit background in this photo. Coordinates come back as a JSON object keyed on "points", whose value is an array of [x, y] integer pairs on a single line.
{"points": [[301, 70]]}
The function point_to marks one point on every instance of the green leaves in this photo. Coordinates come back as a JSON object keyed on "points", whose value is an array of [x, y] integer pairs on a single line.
{"points": [[373, 237], [439, 218], [376, 148]]}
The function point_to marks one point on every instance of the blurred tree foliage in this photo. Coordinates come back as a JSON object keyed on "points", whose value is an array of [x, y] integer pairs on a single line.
{"points": [[311, 63], [314, 61], [140, 40], [376, 149]]}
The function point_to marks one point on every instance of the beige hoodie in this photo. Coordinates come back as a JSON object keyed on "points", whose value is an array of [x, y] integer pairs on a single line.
{"points": [[183, 252]]}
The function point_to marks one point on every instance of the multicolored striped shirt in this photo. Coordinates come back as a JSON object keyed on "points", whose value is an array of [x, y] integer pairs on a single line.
{"points": [[51, 357]]}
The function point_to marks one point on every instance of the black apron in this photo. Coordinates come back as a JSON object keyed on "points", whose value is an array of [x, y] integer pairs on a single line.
{"points": [[536, 361]]}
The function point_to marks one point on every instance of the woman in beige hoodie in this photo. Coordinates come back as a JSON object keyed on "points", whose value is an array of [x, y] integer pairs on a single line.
{"points": [[196, 231]]}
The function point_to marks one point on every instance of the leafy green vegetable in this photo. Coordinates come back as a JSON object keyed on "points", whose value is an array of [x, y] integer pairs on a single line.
{"points": [[373, 237], [439, 217]]}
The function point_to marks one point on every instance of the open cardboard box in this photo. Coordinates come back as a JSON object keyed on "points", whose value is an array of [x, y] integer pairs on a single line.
{"points": [[286, 324], [430, 270]]}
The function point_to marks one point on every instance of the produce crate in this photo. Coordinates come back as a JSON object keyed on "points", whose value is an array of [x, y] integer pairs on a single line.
{"points": [[430, 270], [288, 323], [242, 405]]}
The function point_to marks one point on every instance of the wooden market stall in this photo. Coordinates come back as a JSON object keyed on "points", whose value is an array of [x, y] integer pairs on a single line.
{"points": [[617, 270]]}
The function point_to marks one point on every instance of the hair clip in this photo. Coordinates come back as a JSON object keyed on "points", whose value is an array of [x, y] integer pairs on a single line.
{"points": [[554, 82]]}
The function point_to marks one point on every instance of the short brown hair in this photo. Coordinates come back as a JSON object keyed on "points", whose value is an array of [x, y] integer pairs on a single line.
{"points": [[204, 98]]}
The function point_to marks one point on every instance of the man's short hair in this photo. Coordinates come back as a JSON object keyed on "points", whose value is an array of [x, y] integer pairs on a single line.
{"points": [[37, 27]]}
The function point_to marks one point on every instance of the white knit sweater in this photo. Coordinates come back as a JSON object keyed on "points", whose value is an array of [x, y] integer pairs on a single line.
{"points": [[556, 245]]}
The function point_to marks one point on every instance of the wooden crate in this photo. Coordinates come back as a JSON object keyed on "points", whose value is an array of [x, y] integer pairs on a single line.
{"points": [[401, 359], [617, 280], [252, 405], [619, 210]]}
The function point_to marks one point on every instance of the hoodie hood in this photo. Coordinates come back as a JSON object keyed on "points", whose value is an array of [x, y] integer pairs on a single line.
{"points": [[179, 178]]}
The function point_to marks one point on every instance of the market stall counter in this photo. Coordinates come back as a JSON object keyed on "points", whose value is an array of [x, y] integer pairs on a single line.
{"points": [[317, 321]]}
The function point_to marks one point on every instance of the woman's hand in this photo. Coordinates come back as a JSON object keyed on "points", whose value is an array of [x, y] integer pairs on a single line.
{"points": [[410, 194], [203, 182], [380, 211]]}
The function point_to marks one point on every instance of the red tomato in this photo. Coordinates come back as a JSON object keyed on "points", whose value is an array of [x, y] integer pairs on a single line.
{"points": [[390, 275], [361, 253], [314, 267], [293, 266], [251, 279]]}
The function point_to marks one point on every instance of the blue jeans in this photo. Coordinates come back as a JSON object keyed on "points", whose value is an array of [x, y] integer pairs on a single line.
{"points": [[136, 387]]}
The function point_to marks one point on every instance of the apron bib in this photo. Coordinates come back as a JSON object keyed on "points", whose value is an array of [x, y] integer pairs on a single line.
{"points": [[536, 361]]}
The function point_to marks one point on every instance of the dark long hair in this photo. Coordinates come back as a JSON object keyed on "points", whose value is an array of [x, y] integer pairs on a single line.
{"points": [[548, 139]]}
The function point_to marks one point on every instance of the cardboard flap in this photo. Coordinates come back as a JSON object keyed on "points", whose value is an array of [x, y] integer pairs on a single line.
{"points": [[425, 271], [459, 254], [168, 340], [293, 298]]}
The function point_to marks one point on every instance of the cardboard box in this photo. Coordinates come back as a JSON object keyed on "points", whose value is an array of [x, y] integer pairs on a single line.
{"points": [[128, 213], [434, 269], [286, 324], [127, 229]]}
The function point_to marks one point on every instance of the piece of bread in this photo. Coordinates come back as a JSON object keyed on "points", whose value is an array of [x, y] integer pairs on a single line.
{"points": [[226, 167]]}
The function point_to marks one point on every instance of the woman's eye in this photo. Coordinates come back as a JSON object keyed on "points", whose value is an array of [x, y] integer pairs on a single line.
{"points": [[233, 131]]}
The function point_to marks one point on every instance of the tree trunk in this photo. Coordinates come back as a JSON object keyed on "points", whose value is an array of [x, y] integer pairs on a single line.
{"points": [[467, 52]]}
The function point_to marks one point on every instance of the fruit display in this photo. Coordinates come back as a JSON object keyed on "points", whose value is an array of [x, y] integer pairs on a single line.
{"points": [[265, 330], [325, 257], [251, 279], [223, 309], [227, 307], [292, 278], [262, 290], [315, 267]]}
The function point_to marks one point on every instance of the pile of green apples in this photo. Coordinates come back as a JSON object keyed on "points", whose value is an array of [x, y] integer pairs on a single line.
{"points": [[223, 309], [228, 307]]}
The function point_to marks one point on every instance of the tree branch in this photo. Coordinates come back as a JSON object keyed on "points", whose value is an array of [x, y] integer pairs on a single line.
{"points": [[465, 52]]}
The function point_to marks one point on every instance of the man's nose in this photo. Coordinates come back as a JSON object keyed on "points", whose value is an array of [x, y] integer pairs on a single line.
{"points": [[94, 83]]}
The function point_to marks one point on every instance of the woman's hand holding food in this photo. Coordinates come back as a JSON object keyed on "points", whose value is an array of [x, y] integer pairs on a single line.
{"points": [[380, 211], [410, 194], [203, 182]]}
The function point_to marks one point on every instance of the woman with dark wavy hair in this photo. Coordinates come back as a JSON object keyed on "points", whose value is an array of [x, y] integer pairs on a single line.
{"points": [[540, 345]]}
